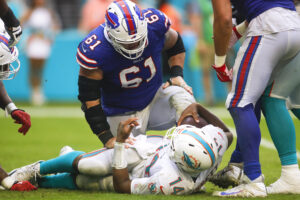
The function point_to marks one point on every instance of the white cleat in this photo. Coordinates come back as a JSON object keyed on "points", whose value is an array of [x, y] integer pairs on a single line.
{"points": [[285, 185], [65, 150], [255, 188], [231, 175], [27, 173]]}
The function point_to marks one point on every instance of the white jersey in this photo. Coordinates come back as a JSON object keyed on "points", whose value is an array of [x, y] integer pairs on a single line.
{"points": [[162, 176]]}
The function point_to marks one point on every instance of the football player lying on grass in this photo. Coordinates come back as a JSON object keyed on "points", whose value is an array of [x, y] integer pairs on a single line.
{"points": [[179, 163]]}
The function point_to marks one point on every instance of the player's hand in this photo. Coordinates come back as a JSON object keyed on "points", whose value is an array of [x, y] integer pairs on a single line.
{"points": [[178, 81], [224, 75], [191, 110], [21, 117], [111, 143], [125, 128], [15, 35], [23, 186]]}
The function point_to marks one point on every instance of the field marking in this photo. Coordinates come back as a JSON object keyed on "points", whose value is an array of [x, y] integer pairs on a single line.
{"points": [[75, 112]]}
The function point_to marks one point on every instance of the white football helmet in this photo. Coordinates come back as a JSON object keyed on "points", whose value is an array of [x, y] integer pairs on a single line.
{"points": [[126, 28], [191, 149], [9, 62]]}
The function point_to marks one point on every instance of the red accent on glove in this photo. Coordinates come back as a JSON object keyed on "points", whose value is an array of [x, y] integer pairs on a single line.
{"points": [[235, 36], [223, 74], [238, 35], [23, 186], [21, 117]]}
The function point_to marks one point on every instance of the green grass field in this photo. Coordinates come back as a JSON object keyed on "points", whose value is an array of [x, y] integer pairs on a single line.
{"points": [[54, 127]]}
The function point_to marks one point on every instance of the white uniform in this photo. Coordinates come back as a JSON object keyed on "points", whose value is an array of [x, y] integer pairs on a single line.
{"points": [[151, 170], [286, 82], [272, 39], [161, 114]]}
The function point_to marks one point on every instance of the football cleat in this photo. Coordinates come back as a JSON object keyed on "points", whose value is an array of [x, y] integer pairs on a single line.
{"points": [[286, 184], [255, 188], [231, 175], [27, 173], [64, 150]]}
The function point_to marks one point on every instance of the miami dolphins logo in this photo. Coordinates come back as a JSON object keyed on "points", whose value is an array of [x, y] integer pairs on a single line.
{"points": [[191, 161]]}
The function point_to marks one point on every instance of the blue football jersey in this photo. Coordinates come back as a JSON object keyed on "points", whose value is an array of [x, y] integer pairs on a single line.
{"points": [[128, 85], [253, 8]]}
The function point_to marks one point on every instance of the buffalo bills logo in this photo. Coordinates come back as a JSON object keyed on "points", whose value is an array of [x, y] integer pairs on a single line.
{"points": [[138, 12], [112, 20]]}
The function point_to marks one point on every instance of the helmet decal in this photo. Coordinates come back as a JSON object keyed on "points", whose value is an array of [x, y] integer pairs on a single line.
{"points": [[112, 20], [203, 143], [191, 161], [131, 26]]}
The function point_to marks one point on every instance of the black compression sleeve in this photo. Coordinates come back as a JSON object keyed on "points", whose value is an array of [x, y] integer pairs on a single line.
{"points": [[10, 19], [177, 48]]}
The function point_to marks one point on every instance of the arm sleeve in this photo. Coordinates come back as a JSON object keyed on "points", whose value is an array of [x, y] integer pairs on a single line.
{"points": [[158, 20], [86, 57]]}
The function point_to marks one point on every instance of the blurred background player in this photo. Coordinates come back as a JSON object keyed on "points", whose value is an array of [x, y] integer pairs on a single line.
{"points": [[9, 55], [155, 164], [120, 72], [250, 79], [41, 25]]}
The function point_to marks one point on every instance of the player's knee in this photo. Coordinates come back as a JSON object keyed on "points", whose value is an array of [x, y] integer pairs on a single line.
{"points": [[93, 167]]}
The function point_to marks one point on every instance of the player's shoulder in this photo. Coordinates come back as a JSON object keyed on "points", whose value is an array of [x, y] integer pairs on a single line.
{"points": [[157, 20], [92, 50]]}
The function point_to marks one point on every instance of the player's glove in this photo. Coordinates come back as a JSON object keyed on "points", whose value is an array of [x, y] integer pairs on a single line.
{"points": [[23, 186], [237, 32], [21, 117], [15, 34], [224, 75]]}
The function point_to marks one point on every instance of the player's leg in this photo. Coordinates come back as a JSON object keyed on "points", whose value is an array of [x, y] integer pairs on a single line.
{"points": [[281, 126], [59, 164], [61, 180], [294, 102], [250, 79], [99, 162], [167, 107], [85, 182]]}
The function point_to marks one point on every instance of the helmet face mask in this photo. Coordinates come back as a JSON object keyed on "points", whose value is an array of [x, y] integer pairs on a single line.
{"points": [[191, 149], [9, 62], [126, 28]]}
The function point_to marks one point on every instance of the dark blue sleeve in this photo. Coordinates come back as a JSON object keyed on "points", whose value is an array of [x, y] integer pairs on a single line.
{"points": [[88, 52], [157, 20]]}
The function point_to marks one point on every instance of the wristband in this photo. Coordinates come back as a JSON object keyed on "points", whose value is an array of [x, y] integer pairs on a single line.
{"points": [[220, 60], [11, 107], [176, 70], [8, 182], [119, 161]]}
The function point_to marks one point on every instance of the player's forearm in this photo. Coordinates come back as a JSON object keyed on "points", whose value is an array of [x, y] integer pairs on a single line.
{"points": [[121, 179], [177, 60], [122, 183], [3, 8], [4, 98], [222, 26], [211, 118]]}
